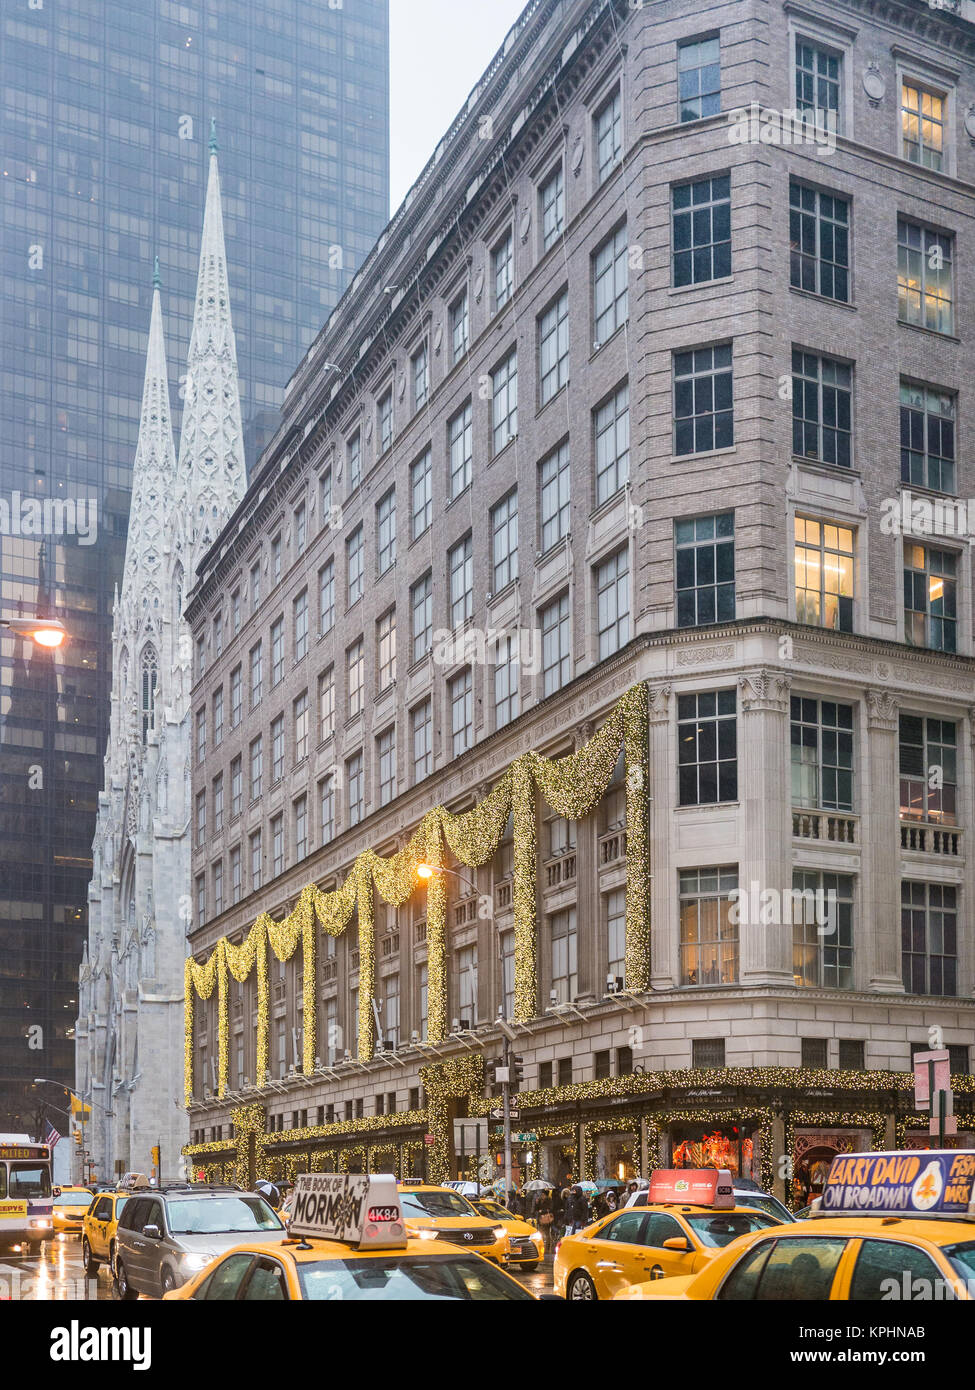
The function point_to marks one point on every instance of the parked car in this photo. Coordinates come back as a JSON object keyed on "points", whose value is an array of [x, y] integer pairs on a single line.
{"points": [[168, 1234]]}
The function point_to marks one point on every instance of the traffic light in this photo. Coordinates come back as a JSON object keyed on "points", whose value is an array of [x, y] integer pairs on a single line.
{"points": [[77, 1139], [517, 1071], [155, 1155]]}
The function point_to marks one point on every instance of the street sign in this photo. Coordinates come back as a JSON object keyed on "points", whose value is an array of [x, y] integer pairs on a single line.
{"points": [[470, 1135], [497, 1114], [528, 1138], [513, 1114], [429, 1139], [922, 1074]]}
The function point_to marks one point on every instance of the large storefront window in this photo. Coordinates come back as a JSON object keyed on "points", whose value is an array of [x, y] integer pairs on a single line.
{"points": [[814, 1151], [616, 1156], [736, 1147]]}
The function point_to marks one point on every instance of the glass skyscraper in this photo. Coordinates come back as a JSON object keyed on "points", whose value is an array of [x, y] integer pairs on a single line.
{"points": [[104, 127]]}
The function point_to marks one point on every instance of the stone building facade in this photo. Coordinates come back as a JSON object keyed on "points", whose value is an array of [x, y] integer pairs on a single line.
{"points": [[618, 395]]}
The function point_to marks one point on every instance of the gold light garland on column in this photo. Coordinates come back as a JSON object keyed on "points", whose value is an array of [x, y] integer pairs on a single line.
{"points": [[571, 786]]}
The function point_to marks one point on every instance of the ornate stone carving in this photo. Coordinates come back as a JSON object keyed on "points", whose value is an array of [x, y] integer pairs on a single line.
{"points": [[658, 701], [765, 691], [882, 709]]}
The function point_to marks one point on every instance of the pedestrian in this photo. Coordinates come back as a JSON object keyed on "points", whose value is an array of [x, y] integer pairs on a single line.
{"points": [[565, 1210], [545, 1218], [578, 1210], [612, 1201]]}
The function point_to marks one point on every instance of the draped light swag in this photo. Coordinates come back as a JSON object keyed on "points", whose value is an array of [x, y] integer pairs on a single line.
{"points": [[571, 787]]}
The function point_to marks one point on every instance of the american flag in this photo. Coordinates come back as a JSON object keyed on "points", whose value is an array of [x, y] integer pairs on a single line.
{"points": [[51, 1135]]}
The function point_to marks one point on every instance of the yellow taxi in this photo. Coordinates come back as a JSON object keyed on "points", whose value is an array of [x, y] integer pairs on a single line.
{"points": [[68, 1210], [526, 1244], [349, 1240], [439, 1213], [690, 1217], [99, 1231], [892, 1226]]}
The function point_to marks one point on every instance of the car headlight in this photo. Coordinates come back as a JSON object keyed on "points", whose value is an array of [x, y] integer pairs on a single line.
{"points": [[538, 1239], [41, 1224], [425, 1233], [499, 1233], [192, 1263]]}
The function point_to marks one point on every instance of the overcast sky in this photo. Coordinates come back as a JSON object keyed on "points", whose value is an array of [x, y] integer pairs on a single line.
{"points": [[438, 50]]}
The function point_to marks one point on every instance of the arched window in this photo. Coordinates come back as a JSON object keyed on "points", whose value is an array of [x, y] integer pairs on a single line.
{"points": [[149, 676]]}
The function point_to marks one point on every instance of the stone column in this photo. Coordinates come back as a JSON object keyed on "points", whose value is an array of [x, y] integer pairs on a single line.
{"points": [[664, 933], [765, 859], [877, 915]]}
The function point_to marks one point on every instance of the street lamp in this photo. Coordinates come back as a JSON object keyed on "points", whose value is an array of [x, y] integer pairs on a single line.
{"points": [[46, 1081], [46, 632], [427, 871]]}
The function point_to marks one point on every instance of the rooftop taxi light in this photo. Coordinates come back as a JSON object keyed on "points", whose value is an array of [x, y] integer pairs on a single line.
{"points": [[698, 1187], [359, 1209], [46, 632]]}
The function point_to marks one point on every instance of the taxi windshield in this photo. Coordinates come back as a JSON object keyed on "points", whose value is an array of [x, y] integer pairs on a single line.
{"points": [[73, 1199], [494, 1209], [197, 1216], [411, 1278], [723, 1227], [435, 1204], [27, 1180], [962, 1258], [764, 1202]]}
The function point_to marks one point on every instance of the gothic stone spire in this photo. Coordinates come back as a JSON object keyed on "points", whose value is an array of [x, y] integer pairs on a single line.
{"points": [[211, 473]]}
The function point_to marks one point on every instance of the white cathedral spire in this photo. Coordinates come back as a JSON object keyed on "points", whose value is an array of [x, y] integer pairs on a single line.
{"points": [[211, 475]]}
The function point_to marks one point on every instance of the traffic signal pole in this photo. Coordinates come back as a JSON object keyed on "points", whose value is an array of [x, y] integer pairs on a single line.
{"points": [[506, 1094]]}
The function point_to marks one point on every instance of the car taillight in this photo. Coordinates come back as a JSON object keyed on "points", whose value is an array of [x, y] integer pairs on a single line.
{"points": [[558, 1245]]}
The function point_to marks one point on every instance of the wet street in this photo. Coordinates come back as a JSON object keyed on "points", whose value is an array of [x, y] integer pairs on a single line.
{"points": [[57, 1274]]}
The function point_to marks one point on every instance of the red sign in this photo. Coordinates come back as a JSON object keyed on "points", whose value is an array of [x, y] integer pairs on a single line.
{"points": [[429, 1139], [942, 1076], [701, 1187]]}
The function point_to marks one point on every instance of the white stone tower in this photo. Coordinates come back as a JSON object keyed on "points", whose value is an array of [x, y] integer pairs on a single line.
{"points": [[129, 1039]]}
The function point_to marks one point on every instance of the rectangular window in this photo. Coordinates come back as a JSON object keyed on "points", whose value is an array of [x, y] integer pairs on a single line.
{"points": [[504, 403], [355, 564], [255, 587], [822, 930], [201, 819], [218, 803], [386, 531], [354, 782], [325, 497], [201, 737], [822, 410], [421, 724], [507, 951], [353, 457], [302, 720], [553, 349], [420, 368], [922, 125], [460, 569], [556, 664], [851, 1056], [301, 528], [301, 624], [218, 635], [703, 400], [218, 718], [707, 747], [924, 288], [326, 704], [236, 786], [708, 927], [565, 977], [277, 845], [386, 757], [301, 827], [818, 73], [822, 754], [613, 603], [355, 666], [824, 562], [929, 938], [218, 888], [326, 808], [385, 420], [699, 78], [326, 597], [554, 481], [930, 597], [235, 614], [236, 877], [701, 230], [460, 451], [927, 438], [257, 767], [277, 651], [421, 596], [819, 242], [612, 433], [504, 542], [201, 907], [503, 271], [277, 749], [506, 698], [386, 645], [460, 328], [614, 907], [276, 559], [552, 200], [928, 766], [460, 696], [236, 696], [421, 495], [608, 125], [814, 1052], [705, 569]]}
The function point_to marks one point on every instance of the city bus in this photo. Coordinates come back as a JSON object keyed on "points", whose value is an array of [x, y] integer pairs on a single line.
{"points": [[25, 1194]]}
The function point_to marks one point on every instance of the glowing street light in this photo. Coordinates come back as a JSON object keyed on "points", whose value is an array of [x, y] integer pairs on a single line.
{"points": [[46, 632]]}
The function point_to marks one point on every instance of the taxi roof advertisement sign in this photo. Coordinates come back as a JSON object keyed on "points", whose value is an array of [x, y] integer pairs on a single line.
{"points": [[703, 1187], [361, 1209], [917, 1182]]}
